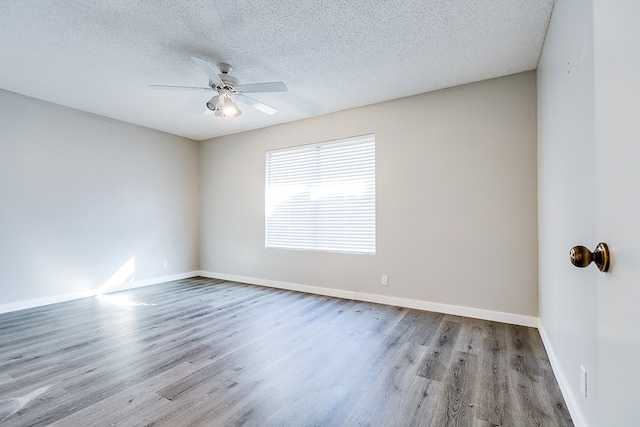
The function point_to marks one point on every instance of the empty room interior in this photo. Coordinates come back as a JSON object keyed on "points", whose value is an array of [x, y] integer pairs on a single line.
{"points": [[319, 213]]}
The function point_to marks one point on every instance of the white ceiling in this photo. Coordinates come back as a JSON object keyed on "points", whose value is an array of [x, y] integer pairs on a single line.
{"points": [[101, 56]]}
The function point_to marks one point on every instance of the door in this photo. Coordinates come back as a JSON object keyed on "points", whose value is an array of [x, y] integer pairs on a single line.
{"points": [[617, 136]]}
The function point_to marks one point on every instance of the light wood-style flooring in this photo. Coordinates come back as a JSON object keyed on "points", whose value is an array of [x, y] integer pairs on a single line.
{"points": [[213, 353]]}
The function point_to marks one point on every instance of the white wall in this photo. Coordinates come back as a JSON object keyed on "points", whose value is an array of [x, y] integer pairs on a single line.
{"points": [[567, 201], [456, 199], [81, 195]]}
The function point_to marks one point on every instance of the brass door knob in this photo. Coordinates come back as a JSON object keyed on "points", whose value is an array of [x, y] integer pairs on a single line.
{"points": [[582, 257]]}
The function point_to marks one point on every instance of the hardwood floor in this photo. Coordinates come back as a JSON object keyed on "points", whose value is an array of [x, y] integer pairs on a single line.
{"points": [[213, 353]]}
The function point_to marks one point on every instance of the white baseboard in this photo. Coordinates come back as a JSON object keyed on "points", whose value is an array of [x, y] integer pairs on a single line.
{"points": [[496, 316], [569, 398], [37, 302]]}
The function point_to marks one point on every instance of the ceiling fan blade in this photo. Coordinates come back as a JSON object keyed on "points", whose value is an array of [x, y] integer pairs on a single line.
{"points": [[179, 87], [208, 70], [256, 104], [262, 87]]}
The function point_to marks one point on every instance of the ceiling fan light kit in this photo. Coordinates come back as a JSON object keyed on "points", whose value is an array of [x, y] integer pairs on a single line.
{"points": [[223, 106], [212, 104], [227, 88], [228, 108]]}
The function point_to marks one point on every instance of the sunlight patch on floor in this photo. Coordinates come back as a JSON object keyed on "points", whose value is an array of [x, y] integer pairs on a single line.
{"points": [[121, 300]]}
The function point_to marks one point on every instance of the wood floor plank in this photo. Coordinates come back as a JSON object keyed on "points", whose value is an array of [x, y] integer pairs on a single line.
{"points": [[209, 352], [493, 383], [395, 388], [436, 364], [554, 398], [456, 406], [133, 403], [471, 336], [426, 326]]}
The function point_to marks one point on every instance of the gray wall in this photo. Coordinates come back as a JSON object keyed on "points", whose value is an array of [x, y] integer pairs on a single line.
{"points": [[81, 195], [456, 199], [567, 201]]}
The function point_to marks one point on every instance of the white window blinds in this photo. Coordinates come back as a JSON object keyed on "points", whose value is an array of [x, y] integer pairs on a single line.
{"points": [[322, 196]]}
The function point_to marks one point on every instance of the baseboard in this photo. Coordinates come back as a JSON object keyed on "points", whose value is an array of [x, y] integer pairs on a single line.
{"points": [[569, 398], [38, 302], [476, 313], [495, 316]]}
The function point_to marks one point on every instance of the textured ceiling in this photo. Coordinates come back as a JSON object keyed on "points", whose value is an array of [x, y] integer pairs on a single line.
{"points": [[101, 56]]}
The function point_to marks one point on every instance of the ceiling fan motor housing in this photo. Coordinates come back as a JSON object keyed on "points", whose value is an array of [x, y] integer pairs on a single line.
{"points": [[230, 83], [225, 68]]}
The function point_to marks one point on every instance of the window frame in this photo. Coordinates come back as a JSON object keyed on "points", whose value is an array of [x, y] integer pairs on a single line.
{"points": [[362, 230]]}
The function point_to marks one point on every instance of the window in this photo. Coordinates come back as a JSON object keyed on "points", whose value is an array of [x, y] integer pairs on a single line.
{"points": [[322, 196]]}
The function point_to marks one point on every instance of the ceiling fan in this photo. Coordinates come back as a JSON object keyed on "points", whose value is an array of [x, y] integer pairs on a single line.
{"points": [[228, 88]]}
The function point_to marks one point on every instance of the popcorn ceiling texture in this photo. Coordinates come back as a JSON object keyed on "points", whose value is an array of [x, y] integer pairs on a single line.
{"points": [[333, 55]]}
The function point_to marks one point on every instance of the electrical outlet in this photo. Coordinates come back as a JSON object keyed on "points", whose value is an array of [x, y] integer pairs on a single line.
{"points": [[583, 381], [165, 264], [385, 280]]}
